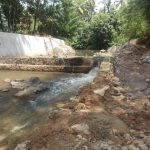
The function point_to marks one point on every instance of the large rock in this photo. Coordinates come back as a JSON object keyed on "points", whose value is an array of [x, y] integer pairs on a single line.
{"points": [[20, 84], [63, 51], [31, 90]]}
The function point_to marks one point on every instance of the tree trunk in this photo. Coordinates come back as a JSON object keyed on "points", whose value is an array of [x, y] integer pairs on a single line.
{"points": [[36, 15], [1, 21]]}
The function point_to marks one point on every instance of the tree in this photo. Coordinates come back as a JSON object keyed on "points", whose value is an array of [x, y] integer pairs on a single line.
{"points": [[12, 10]]}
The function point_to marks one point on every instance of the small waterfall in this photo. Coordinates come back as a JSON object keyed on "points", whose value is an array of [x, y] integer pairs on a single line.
{"points": [[66, 87]]}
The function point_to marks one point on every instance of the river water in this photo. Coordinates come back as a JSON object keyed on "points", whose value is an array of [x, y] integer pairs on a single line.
{"points": [[18, 118]]}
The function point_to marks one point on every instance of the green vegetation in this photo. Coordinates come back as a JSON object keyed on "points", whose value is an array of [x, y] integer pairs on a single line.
{"points": [[77, 22]]}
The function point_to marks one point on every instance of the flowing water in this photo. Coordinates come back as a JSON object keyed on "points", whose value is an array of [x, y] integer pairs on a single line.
{"points": [[18, 118]]}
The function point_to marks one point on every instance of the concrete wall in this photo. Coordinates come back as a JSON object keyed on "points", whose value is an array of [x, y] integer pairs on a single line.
{"points": [[75, 64], [18, 45]]}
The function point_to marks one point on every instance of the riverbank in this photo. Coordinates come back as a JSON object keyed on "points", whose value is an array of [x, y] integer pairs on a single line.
{"points": [[106, 114], [112, 112]]}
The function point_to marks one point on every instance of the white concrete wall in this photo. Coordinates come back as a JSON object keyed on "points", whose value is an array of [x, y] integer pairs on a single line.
{"points": [[19, 45]]}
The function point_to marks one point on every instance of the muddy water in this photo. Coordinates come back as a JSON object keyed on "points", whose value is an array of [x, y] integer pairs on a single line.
{"points": [[28, 74], [19, 117]]}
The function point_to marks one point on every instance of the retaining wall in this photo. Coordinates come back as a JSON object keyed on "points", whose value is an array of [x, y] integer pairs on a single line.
{"points": [[75, 64], [18, 45]]}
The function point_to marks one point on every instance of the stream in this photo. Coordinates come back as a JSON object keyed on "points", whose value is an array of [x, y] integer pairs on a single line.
{"points": [[18, 118]]}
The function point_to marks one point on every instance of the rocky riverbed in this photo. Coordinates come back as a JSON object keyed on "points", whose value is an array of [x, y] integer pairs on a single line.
{"points": [[108, 114]]}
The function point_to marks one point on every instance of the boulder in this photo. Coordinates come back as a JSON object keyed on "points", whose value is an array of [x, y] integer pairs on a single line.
{"points": [[63, 51]]}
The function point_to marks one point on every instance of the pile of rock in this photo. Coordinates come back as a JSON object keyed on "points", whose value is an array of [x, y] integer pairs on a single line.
{"points": [[23, 87]]}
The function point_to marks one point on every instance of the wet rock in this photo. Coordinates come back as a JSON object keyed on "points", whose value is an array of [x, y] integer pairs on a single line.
{"points": [[3, 137], [19, 84], [81, 128], [147, 80], [22, 146], [34, 80], [17, 128], [101, 91], [31, 90], [7, 80], [4, 86]]}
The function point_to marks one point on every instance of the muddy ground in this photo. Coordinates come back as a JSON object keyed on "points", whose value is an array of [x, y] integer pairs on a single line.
{"points": [[112, 113]]}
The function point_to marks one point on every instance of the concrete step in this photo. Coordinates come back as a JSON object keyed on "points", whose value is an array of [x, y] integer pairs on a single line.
{"points": [[74, 61], [46, 68]]}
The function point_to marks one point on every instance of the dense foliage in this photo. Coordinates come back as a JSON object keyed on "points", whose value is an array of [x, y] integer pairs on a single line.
{"points": [[76, 21]]}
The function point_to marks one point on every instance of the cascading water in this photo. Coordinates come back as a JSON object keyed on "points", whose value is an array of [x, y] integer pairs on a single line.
{"points": [[65, 87]]}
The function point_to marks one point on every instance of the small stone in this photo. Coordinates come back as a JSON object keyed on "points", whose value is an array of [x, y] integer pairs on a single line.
{"points": [[81, 128], [132, 131], [147, 80], [132, 147], [101, 91], [35, 80], [85, 147], [127, 136], [22, 146], [143, 147], [147, 140], [124, 148], [110, 142], [79, 136], [7, 80], [105, 146], [60, 105], [103, 51], [141, 135], [5, 90]]}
